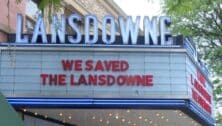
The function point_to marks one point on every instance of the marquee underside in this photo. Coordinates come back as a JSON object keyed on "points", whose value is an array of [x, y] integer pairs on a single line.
{"points": [[158, 111]]}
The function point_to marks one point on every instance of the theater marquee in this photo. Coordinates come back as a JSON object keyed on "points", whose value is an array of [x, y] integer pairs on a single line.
{"points": [[103, 73], [110, 66]]}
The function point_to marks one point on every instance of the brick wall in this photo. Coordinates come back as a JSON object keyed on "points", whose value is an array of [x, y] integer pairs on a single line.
{"points": [[8, 10]]}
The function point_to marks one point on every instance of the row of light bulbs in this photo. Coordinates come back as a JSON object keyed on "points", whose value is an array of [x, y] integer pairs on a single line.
{"points": [[160, 115], [124, 120], [46, 116], [107, 122]]}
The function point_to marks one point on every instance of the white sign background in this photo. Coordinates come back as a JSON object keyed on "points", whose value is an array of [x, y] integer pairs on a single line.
{"points": [[20, 74]]}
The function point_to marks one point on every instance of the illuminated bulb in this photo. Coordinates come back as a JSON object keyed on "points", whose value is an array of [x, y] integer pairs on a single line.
{"points": [[101, 120], [140, 117], [117, 117], [145, 120], [129, 122], [24, 110], [180, 114], [60, 114], [70, 117], [110, 114], [157, 114], [167, 120], [162, 117], [46, 116], [93, 117], [36, 113], [151, 122], [123, 120], [128, 111], [107, 122]]}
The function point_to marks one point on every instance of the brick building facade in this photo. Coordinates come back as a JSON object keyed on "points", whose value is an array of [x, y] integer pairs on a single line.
{"points": [[9, 9]]}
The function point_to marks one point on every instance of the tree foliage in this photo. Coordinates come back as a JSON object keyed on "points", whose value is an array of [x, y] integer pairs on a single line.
{"points": [[53, 6], [201, 19]]}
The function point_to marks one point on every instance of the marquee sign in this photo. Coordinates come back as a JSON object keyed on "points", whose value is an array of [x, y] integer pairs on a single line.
{"points": [[99, 73], [93, 74], [129, 30], [199, 91]]}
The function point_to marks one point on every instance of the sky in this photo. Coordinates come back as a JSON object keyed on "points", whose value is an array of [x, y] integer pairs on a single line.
{"points": [[140, 7]]}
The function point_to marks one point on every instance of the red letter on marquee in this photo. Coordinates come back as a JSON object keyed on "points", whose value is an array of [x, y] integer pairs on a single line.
{"points": [[43, 78], [201, 78], [149, 80], [62, 79], [89, 65], [78, 65], [99, 66], [124, 65], [67, 64]]}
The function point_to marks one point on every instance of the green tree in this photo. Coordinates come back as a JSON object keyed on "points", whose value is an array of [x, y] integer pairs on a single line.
{"points": [[201, 19], [53, 6]]}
